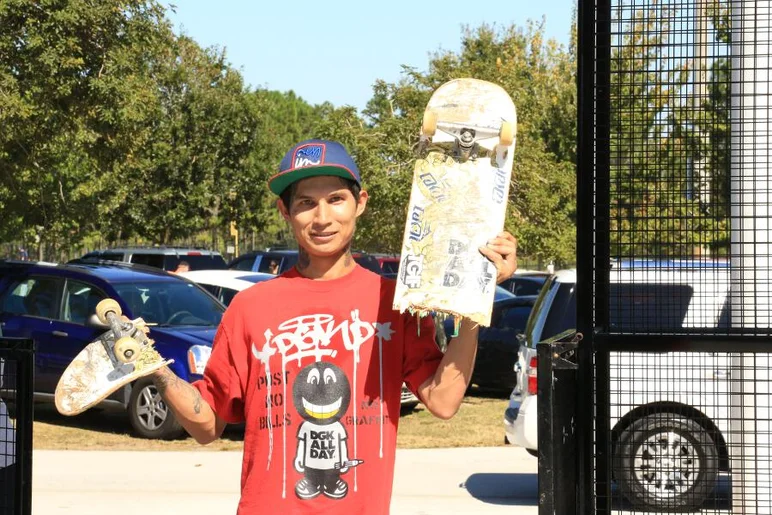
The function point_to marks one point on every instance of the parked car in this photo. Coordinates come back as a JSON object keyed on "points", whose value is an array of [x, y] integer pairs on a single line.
{"points": [[225, 284], [672, 401], [389, 264], [260, 261], [165, 258], [525, 283], [554, 312], [55, 305], [497, 345]]}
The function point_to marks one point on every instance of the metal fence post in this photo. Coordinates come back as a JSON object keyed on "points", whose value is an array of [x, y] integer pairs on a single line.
{"points": [[557, 391], [16, 383]]}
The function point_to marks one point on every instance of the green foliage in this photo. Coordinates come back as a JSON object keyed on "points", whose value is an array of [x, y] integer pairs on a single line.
{"points": [[113, 128], [659, 131]]}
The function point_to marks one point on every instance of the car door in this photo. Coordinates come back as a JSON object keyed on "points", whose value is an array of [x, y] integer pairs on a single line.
{"points": [[28, 309], [71, 332]]}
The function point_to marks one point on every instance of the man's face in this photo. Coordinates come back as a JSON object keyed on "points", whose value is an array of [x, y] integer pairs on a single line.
{"points": [[323, 214]]}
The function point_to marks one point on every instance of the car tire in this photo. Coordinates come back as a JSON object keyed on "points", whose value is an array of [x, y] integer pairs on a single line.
{"points": [[666, 462], [149, 415]]}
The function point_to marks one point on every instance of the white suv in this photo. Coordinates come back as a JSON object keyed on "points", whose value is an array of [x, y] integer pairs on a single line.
{"points": [[553, 313], [658, 401]]}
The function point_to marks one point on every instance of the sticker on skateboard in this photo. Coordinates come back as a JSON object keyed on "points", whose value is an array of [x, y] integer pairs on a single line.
{"points": [[118, 357], [458, 201]]}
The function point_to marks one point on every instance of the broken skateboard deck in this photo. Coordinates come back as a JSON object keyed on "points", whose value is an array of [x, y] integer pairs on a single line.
{"points": [[118, 357], [458, 201]]}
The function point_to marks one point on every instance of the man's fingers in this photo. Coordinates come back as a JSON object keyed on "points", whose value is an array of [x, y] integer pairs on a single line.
{"points": [[506, 242], [491, 254], [501, 250]]}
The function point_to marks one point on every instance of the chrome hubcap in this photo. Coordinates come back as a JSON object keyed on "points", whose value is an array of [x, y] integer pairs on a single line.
{"points": [[666, 465]]}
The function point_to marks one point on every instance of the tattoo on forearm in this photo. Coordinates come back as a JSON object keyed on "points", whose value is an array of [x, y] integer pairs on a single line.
{"points": [[197, 402], [164, 381], [303, 259], [170, 380]]}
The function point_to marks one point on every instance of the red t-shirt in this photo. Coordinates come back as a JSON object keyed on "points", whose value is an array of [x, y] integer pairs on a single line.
{"points": [[300, 361]]}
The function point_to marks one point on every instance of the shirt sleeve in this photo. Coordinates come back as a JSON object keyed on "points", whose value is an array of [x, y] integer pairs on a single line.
{"points": [[421, 355], [222, 386]]}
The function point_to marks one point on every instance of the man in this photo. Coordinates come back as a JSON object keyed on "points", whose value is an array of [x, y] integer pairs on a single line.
{"points": [[182, 266], [313, 361]]}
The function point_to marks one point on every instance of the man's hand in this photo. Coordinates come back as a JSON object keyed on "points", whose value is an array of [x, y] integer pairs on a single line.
{"points": [[502, 251]]}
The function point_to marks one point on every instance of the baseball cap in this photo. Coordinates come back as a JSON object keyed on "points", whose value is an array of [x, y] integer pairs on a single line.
{"points": [[312, 158]]}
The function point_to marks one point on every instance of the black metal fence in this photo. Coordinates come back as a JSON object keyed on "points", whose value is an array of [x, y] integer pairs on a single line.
{"points": [[16, 375], [674, 257]]}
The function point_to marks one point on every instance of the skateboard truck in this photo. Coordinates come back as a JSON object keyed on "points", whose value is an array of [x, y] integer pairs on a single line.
{"points": [[467, 139], [123, 347]]}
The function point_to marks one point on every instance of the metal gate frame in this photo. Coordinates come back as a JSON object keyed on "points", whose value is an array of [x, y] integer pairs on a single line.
{"points": [[20, 353], [592, 130], [593, 474]]}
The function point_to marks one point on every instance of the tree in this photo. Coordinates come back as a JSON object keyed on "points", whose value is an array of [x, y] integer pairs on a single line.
{"points": [[659, 132], [74, 91], [540, 77]]}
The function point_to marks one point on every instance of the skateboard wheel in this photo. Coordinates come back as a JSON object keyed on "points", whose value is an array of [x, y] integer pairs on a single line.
{"points": [[506, 134], [429, 125], [104, 307], [126, 349]]}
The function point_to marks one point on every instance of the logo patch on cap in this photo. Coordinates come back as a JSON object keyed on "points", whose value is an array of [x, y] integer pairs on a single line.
{"points": [[309, 155]]}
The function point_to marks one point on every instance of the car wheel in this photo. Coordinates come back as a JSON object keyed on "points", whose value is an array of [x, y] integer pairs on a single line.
{"points": [[149, 414], [666, 462]]}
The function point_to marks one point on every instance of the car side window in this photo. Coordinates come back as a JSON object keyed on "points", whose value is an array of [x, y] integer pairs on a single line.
{"points": [[79, 302], [265, 263], [33, 296], [154, 260], [226, 295], [110, 256], [562, 314], [214, 290], [244, 264]]}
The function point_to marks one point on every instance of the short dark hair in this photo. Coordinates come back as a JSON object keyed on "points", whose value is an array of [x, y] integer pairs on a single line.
{"points": [[289, 193]]}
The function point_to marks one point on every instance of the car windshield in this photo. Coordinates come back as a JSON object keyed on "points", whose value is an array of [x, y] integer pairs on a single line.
{"points": [[170, 303], [502, 294]]}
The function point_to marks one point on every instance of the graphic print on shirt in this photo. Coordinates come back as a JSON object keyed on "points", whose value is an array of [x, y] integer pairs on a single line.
{"points": [[310, 339], [321, 395]]}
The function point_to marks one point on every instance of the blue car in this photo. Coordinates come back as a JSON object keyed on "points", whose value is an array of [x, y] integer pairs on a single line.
{"points": [[54, 305], [497, 345]]}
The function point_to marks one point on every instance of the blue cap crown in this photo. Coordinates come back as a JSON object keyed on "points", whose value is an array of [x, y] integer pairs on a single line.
{"points": [[312, 158]]}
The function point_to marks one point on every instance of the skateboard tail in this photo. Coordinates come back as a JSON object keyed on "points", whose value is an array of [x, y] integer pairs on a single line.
{"points": [[78, 391]]}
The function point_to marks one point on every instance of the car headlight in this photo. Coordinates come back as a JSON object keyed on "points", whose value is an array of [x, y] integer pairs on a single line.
{"points": [[198, 356]]}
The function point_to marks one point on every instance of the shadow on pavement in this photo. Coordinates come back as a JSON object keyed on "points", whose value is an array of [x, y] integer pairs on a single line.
{"points": [[720, 500], [504, 489]]}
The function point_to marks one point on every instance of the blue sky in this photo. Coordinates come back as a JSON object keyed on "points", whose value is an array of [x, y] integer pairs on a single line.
{"points": [[335, 50]]}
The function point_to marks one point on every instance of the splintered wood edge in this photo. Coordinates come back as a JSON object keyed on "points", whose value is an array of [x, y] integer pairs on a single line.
{"points": [[69, 413]]}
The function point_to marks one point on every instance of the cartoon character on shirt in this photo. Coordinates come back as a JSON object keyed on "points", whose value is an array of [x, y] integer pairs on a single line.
{"points": [[321, 394]]}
